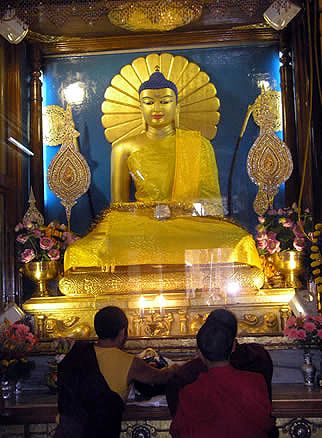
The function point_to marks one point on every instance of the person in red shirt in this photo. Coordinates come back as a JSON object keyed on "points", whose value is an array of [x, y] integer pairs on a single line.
{"points": [[223, 402]]}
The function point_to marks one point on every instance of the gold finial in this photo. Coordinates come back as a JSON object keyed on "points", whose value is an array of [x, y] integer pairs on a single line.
{"points": [[33, 214]]}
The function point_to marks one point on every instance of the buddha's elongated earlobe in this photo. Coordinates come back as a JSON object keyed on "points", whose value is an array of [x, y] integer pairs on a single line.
{"points": [[143, 123], [177, 117]]}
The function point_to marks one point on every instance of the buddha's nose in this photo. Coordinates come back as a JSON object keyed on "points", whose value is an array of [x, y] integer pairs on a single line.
{"points": [[156, 106]]}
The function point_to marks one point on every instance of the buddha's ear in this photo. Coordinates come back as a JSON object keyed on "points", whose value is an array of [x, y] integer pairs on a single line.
{"points": [[177, 116], [143, 122]]}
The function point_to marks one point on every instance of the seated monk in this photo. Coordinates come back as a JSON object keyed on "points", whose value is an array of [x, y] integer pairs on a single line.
{"points": [[175, 176]]}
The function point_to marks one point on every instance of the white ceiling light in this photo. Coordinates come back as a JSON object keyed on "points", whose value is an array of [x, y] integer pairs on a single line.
{"points": [[280, 13], [12, 28]]}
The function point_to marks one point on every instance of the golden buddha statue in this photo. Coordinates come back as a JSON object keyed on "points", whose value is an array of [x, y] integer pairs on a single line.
{"points": [[177, 218]]}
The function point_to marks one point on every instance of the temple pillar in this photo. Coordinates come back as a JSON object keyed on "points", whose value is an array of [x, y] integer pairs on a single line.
{"points": [[37, 173]]}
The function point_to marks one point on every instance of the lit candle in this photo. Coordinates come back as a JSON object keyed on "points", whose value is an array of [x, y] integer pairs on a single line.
{"points": [[141, 306], [292, 261]]}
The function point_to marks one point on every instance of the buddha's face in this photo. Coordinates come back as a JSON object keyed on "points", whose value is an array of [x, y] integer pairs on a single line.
{"points": [[158, 107]]}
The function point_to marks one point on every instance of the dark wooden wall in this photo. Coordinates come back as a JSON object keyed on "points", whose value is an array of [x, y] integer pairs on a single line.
{"points": [[10, 166]]}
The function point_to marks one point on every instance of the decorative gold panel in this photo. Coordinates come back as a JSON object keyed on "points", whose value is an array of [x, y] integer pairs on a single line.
{"points": [[268, 101], [69, 175], [53, 125], [179, 315], [198, 99], [269, 164], [269, 161]]}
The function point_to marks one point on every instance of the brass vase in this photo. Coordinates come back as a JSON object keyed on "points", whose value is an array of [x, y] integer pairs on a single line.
{"points": [[290, 265], [40, 273]]}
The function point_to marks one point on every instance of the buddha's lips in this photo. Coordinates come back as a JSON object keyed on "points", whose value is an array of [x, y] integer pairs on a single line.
{"points": [[157, 116]]}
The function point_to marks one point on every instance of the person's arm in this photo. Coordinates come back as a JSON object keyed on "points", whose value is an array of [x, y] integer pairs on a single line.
{"points": [[145, 373], [120, 177], [186, 374]]}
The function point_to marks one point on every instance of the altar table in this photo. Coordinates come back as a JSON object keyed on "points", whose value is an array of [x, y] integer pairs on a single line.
{"points": [[298, 410]]}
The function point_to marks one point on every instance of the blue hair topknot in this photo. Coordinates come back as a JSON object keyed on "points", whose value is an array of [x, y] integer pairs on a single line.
{"points": [[158, 81]]}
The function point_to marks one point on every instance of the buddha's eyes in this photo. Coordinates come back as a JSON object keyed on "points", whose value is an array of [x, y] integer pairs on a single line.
{"points": [[162, 101], [148, 102]]}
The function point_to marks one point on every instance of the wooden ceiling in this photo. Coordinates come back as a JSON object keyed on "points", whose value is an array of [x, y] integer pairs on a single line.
{"points": [[88, 18]]}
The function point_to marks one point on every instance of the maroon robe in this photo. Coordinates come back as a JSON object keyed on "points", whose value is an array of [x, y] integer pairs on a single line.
{"points": [[224, 403]]}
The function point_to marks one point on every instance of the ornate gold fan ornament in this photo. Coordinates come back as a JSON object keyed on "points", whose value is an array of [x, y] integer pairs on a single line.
{"points": [[197, 97], [69, 175], [269, 161]]}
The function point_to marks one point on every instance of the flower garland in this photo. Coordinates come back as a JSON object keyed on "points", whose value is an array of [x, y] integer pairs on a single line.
{"points": [[316, 257]]}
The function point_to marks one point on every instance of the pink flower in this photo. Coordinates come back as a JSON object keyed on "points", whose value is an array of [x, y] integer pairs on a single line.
{"points": [[19, 227], [273, 246], [291, 321], [299, 243], [54, 254], [262, 244], [37, 233], [21, 330], [27, 255], [68, 237], [297, 230], [22, 238], [261, 219], [291, 333], [319, 333], [46, 243], [300, 334], [309, 326], [288, 223]]}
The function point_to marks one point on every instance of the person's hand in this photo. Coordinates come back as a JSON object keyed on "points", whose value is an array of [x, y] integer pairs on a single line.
{"points": [[172, 369]]}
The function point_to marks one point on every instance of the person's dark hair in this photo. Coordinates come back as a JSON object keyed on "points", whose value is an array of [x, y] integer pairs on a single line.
{"points": [[109, 321], [215, 341], [226, 318]]}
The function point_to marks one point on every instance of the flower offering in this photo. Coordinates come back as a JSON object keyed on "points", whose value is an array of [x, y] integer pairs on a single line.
{"points": [[37, 243]]}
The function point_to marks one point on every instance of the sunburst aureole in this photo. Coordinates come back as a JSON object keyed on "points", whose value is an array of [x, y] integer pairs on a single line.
{"points": [[197, 97]]}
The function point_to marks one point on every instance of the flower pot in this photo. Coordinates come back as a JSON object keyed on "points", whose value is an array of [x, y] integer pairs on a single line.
{"points": [[308, 369], [40, 273], [290, 265]]}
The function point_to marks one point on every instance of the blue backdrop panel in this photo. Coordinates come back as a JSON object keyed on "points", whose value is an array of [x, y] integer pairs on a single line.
{"points": [[235, 71]]}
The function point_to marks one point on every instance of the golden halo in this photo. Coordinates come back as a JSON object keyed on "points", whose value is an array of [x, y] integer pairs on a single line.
{"points": [[197, 97]]}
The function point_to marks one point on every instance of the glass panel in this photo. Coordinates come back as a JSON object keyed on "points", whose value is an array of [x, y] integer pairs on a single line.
{"points": [[82, 80]]}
